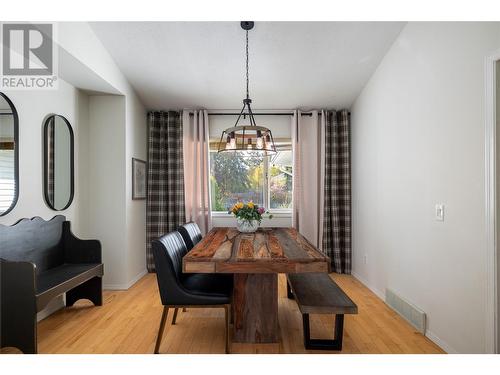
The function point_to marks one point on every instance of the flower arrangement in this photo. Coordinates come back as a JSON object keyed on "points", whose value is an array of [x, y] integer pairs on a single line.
{"points": [[248, 212]]}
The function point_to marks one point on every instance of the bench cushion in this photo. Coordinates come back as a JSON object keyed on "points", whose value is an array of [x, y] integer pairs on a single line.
{"points": [[317, 293], [58, 280]]}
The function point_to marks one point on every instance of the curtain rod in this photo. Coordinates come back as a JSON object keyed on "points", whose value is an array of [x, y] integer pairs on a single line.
{"points": [[258, 114]]}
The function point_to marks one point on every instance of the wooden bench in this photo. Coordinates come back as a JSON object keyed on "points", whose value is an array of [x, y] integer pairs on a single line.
{"points": [[40, 260], [317, 293]]}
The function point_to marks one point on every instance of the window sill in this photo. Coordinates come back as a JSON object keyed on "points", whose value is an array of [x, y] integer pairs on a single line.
{"points": [[275, 214]]}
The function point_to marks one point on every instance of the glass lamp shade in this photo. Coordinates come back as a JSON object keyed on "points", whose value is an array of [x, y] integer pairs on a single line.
{"points": [[247, 138]]}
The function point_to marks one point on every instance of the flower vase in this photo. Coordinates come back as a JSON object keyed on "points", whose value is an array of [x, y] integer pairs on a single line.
{"points": [[247, 226]]}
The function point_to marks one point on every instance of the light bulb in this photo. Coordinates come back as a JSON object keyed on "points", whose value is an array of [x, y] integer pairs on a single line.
{"points": [[232, 142], [260, 140], [260, 143], [269, 145]]}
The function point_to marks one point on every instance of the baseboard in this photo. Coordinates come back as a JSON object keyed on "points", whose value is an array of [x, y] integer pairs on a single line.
{"points": [[442, 344], [125, 286], [363, 281], [430, 335]]}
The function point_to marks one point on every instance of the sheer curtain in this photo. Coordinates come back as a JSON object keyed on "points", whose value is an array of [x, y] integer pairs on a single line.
{"points": [[308, 144], [196, 168]]}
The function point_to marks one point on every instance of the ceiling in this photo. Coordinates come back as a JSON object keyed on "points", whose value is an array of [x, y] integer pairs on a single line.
{"points": [[175, 65]]}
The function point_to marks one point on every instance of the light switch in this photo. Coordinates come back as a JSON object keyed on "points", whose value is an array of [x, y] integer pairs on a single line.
{"points": [[440, 212]]}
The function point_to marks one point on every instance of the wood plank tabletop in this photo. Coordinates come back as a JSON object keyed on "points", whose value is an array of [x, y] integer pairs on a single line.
{"points": [[269, 250]]}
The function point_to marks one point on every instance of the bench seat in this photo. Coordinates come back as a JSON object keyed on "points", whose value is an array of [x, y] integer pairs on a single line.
{"points": [[317, 293], [56, 281]]}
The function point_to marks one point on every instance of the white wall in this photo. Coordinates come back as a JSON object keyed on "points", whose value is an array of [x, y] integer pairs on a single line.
{"points": [[279, 125], [109, 131], [106, 183], [136, 147], [418, 140], [85, 56], [33, 107]]}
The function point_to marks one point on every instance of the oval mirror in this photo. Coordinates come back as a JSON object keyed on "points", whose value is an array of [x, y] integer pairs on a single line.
{"points": [[58, 162], [9, 155]]}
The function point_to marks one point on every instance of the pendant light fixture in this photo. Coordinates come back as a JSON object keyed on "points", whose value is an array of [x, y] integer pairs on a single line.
{"points": [[249, 137]]}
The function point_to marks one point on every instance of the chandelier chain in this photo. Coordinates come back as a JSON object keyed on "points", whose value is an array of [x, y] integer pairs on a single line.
{"points": [[248, 96]]}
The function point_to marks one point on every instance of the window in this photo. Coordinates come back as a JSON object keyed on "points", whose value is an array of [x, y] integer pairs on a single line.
{"points": [[245, 176], [7, 180], [280, 181]]}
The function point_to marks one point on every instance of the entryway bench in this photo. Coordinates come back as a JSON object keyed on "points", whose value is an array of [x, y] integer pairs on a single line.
{"points": [[40, 260]]}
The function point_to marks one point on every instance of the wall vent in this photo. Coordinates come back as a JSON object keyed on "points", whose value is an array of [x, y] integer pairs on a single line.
{"points": [[409, 312]]}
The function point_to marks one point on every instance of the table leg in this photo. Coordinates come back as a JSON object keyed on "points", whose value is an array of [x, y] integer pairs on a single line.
{"points": [[255, 304]]}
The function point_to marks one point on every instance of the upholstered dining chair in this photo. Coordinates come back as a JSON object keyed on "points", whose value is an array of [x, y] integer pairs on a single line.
{"points": [[178, 290], [191, 234]]}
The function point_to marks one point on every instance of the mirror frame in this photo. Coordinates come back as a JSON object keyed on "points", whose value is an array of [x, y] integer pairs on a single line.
{"points": [[16, 153], [45, 162]]}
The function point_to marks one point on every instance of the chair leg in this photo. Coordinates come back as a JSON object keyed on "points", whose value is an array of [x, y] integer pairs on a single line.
{"points": [[227, 311], [174, 318], [184, 309], [162, 327]]}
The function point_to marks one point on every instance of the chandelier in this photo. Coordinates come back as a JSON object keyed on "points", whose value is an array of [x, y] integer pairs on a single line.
{"points": [[251, 137]]}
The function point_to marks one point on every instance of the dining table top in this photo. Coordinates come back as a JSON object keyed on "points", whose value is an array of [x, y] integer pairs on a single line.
{"points": [[269, 250]]}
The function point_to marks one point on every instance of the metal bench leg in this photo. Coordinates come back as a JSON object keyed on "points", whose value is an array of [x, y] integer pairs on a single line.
{"points": [[324, 344]]}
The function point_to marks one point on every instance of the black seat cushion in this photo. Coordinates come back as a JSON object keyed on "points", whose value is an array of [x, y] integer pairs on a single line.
{"points": [[208, 283], [191, 234]]}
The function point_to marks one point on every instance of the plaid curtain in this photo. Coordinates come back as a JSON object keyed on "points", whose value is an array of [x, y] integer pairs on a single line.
{"points": [[337, 209], [165, 198]]}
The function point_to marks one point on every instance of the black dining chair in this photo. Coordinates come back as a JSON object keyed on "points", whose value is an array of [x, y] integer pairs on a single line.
{"points": [[179, 290], [191, 234]]}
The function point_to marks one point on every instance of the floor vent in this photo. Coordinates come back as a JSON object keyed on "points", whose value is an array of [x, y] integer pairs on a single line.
{"points": [[412, 314]]}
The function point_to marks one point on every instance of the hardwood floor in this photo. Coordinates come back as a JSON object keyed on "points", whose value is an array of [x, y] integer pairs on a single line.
{"points": [[128, 322]]}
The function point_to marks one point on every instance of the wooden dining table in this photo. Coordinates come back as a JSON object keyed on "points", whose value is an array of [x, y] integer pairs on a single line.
{"points": [[255, 259]]}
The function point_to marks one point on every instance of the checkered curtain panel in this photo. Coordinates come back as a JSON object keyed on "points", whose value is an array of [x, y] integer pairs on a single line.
{"points": [[165, 198], [337, 209]]}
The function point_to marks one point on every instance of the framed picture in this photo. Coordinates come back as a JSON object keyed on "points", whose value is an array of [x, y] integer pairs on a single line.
{"points": [[138, 179]]}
